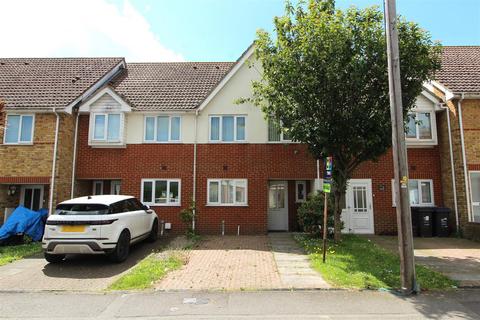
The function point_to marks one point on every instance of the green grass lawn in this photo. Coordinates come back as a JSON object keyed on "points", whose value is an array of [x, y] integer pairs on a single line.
{"points": [[148, 271], [358, 263], [11, 253]]}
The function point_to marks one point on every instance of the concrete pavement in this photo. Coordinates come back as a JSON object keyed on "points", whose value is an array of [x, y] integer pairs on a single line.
{"points": [[321, 304], [293, 263], [77, 273]]}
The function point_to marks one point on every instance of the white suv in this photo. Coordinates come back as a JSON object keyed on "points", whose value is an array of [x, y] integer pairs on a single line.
{"points": [[106, 224]]}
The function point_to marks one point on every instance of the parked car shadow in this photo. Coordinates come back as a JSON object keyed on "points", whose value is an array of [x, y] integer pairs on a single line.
{"points": [[99, 266]]}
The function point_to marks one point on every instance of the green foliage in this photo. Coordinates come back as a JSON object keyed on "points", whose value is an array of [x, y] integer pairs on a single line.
{"points": [[148, 271], [356, 262], [187, 216], [325, 79], [16, 252], [310, 214]]}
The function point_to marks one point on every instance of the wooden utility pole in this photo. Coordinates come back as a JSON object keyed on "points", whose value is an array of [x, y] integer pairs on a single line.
{"points": [[400, 163], [325, 219]]}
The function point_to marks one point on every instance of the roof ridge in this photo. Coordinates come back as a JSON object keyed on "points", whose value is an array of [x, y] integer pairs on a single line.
{"points": [[180, 62]]}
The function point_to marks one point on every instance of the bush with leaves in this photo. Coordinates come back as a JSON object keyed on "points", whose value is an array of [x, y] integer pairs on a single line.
{"points": [[310, 214], [187, 215]]}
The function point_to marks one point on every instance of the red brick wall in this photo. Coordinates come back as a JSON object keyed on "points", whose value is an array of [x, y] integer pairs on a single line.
{"points": [[256, 162], [423, 164]]}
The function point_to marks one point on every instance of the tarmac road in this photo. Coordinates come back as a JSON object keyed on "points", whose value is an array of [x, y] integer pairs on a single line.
{"points": [[321, 304]]}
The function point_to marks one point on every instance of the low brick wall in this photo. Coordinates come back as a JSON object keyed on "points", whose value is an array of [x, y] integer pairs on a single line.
{"points": [[472, 231]]}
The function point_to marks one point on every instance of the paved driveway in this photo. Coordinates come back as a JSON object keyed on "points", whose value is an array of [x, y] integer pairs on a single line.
{"points": [[226, 263], [245, 263], [77, 273], [458, 259]]}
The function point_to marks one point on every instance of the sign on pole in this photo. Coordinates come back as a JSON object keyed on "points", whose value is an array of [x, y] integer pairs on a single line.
{"points": [[327, 188]]}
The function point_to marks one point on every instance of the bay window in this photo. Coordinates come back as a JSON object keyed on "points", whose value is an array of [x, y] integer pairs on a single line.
{"points": [[227, 128], [419, 126], [19, 129], [106, 127], [225, 192], [161, 192], [162, 128]]}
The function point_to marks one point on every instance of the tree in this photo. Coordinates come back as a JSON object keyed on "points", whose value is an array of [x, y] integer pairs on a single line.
{"points": [[325, 81]]}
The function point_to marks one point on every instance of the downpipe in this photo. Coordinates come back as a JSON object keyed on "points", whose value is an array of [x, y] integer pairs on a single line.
{"points": [[54, 164]]}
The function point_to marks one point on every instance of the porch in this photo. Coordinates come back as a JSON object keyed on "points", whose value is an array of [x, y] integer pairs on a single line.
{"points": [[33, 196]]}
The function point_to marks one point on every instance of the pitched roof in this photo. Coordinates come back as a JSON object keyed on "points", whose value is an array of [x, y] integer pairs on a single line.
{"points": [[460, 70], [49, 82], [169, 85]]}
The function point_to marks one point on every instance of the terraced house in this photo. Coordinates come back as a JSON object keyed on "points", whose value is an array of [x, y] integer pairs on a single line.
{"points": [[171, 133]]}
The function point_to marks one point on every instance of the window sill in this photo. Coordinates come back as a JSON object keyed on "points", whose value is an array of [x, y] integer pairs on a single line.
{"points": [[418, 205], [228, 142], [225, 205], [163, 142], [151, 205], [18, 143], [420, 143], [107, 145]]}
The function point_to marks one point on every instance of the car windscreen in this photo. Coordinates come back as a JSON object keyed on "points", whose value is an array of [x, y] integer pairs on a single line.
{"points": [[82, 209]]}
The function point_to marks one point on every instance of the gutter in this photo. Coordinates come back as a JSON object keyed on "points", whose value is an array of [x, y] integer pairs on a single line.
{"points": [[74, 160], [464, 156], [195, 170], [54, 164], [454, 183]]}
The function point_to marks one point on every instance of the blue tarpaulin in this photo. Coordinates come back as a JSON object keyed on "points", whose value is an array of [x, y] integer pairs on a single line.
{"points": [[23, 220]]}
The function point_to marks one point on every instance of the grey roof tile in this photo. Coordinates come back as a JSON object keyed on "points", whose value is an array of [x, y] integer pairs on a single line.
{"points": [[49, 82], [460, 70]]}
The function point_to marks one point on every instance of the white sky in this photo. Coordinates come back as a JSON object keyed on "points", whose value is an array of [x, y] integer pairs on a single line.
{"points": [[56, 28]]}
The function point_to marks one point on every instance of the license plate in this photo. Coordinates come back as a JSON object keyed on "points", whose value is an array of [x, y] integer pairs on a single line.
{"points": [[73, 228]]}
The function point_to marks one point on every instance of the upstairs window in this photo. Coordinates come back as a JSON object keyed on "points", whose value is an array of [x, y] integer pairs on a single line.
{"points": [[420, 192], [106, 127], [419, 126], [162, 128], [19, 129], [276, 134], [227, 128]]}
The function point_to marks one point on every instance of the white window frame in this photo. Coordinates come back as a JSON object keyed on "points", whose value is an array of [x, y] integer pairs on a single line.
{"points": [[433, 128], [220, 128], [105, 139], [168, 203], [471, 218], [282, 139], [21, 115], [297, 183], [235, 203], [421, 203], [155, 116], [95, 182], [114, 183]]}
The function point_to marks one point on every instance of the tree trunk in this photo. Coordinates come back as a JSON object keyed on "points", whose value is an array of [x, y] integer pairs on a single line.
{"points": [[339, 194], [337, 214]]}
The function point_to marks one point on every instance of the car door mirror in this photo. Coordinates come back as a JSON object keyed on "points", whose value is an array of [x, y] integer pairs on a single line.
{"points": [[146, 207]]}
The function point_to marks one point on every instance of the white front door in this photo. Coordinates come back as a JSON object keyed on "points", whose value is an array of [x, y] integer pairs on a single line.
{"points": [[278, 206], [31, 197], [358, 214]]}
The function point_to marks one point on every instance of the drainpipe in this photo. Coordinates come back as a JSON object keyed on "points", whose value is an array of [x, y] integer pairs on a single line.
{"points": [[317, 183], [454, 184], [74, 161], [195, 170], [54, 164], [464, 156]]}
